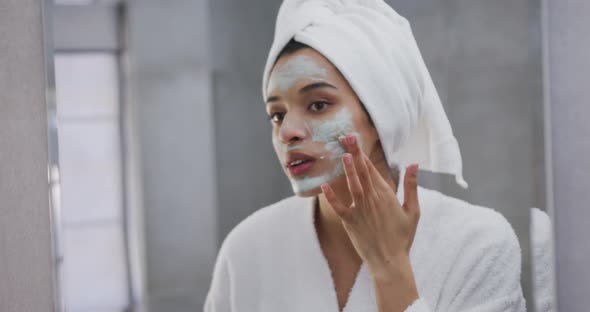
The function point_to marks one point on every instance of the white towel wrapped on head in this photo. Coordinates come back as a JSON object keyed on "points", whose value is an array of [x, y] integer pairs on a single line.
{"points": [[374, 49]]}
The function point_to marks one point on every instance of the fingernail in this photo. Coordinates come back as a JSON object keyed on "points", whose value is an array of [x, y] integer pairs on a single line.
{"points": [[324, 187], [347, 159], [351, 139]]}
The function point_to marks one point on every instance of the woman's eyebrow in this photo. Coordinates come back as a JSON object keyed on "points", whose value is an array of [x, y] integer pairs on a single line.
{"points": [[316, 85]]}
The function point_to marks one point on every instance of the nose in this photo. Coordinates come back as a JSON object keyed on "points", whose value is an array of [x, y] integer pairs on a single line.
{"points": [[293, 130]]}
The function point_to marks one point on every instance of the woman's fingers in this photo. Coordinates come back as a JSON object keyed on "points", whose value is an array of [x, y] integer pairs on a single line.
{"points": [[352, 146], [343, 211], [354, 184], [378, 181], [411, 204]]}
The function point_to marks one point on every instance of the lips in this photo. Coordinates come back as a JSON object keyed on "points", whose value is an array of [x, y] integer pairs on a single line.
{"points": [[299, 163]]}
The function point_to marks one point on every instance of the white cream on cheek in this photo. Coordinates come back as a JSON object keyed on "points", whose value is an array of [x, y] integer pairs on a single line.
{"points": [[298, 67], [328, 132]]}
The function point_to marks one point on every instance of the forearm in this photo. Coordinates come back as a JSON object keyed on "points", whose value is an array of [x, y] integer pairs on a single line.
{"points": [[395, 287]]}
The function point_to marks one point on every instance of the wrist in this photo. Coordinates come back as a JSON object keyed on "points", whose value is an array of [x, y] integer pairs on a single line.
{"points": [[393, 269], [394, 283], [382, 265]]}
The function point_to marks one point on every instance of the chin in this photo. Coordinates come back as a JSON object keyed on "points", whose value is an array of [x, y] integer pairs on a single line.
{"points": [[309, 193], [316, 186]]}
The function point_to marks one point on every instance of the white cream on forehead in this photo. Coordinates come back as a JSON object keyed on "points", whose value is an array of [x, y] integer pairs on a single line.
{"points": [[296, 68], [328, 132]]}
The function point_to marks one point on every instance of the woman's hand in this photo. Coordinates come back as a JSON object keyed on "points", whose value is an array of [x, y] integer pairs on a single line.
{"points": [[381, 230]]}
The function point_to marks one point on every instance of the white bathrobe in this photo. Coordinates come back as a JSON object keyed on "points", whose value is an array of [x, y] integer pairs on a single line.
{"points": [[464, 258]]}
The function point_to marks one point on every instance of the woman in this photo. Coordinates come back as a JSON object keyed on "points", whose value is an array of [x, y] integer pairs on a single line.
{"points": [[350, 99]]}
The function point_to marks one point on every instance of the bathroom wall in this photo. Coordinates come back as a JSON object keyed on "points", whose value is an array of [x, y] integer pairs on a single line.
{"points": [[26, 263], [249, 175], [170, 94], [567, 68]]}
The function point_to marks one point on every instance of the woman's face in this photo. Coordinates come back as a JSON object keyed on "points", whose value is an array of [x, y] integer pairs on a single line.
{"points": [[311, 106]]}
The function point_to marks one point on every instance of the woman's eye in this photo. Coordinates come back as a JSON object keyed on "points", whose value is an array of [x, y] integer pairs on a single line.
{"points": [[318, 106], [276, 117]]}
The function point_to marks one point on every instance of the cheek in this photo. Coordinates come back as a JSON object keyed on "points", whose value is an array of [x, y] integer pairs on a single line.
{"points": [[328, 131], [369, 134], [276, 143], [365, 129]]}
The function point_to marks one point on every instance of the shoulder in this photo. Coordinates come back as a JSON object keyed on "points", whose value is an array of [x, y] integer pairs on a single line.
{"points": [[263, 226], [477, 254], [456, 214], [272, 217], [471, 228]]}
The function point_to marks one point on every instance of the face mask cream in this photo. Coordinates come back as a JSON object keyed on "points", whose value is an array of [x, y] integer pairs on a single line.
{"points": [[328, 132], [295, 69]]}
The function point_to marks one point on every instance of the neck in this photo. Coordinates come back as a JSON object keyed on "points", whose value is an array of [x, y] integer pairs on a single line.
{"points": [[330, 229]]}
